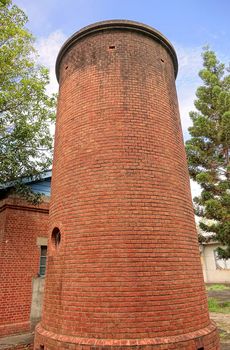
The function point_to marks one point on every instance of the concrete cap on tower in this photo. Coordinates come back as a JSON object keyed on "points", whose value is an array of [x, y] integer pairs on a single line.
{"points": [[122, 25]]}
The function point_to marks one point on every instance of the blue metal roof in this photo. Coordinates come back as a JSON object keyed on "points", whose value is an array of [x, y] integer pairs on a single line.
{"points": [[39, 184], [42, 186]]}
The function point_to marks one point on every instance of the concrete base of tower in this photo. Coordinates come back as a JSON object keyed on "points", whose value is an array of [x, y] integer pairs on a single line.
{"points": [[204, 339]]}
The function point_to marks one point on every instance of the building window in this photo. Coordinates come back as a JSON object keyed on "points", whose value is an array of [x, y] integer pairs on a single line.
{"points": [[43, 256], [221, 264]]}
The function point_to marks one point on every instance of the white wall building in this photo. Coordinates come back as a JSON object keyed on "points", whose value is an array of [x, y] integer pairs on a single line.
{"points": [[215, 270]]}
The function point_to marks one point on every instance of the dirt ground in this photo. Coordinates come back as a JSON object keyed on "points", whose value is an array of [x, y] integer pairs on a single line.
{"points": [[222, 320], [223, 323]]}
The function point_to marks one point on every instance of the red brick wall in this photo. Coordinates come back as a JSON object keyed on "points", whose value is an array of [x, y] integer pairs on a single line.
{"points": [[20, 225], [128, 264]]}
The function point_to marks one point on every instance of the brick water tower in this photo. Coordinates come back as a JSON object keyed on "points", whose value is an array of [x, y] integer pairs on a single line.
{"points": [[124, 268]]}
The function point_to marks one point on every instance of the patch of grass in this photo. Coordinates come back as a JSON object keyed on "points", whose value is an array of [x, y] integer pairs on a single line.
{"points": [[215, 306], [217, 287], [223, 334]]}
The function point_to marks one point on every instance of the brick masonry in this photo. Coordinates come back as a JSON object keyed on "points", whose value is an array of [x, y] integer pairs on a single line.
{"points": [[20, 225], [127, 271]]}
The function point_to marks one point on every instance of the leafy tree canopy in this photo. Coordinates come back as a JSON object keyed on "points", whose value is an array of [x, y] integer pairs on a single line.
{"points": [[208, 151], [26, 110]]}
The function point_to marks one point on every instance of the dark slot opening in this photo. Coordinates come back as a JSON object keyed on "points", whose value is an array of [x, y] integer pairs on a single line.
{"points": [[56, 237], [111, 47]]}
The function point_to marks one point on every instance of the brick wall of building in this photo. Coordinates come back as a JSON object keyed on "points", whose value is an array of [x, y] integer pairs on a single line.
{"points": [[20, 225]]}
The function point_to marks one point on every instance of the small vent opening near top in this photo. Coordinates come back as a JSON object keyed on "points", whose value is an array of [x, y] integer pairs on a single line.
{"points": [[112, 47]]}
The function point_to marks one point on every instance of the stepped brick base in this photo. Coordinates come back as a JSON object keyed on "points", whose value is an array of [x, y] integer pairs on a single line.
{"points": [[204, 339]]}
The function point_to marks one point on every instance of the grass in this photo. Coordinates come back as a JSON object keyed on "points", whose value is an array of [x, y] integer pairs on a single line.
{"points": [[215, 306], [217, 287]]}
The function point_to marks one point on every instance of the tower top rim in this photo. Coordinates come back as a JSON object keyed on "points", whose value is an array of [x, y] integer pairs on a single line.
{"points": [[117, 24]]}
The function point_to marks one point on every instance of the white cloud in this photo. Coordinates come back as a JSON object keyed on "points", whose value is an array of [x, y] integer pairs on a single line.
{"points": [[48, 48], [190, 63], [195, 188]]}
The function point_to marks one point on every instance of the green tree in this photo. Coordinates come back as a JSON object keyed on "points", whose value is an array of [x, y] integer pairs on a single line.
{"points": [[26, 110], [208, 151]]}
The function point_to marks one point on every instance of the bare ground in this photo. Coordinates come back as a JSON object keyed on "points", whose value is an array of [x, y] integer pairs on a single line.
{"points": [[223, 323]]}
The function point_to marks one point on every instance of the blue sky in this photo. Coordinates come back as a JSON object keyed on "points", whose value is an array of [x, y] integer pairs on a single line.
{"points": [[193, 21], [189, 25]]}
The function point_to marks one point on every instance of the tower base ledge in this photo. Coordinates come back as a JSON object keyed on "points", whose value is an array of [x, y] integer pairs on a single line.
{"points": [[205, 338]]}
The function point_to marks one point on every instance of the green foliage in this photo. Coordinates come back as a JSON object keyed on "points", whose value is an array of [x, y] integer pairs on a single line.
{"points": [[220, 307], [26, 110], [217, 287], [208, 151]]}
